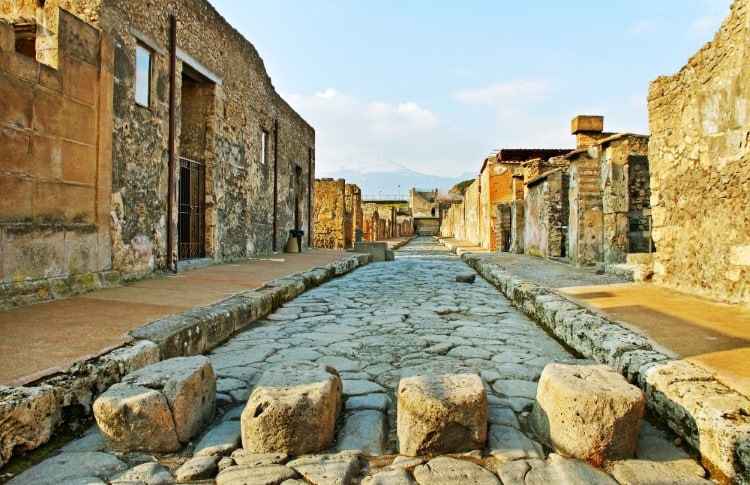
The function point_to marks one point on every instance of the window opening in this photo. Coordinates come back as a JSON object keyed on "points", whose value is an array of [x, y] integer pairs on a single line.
{"points": [[143, 57], [25, 39]]}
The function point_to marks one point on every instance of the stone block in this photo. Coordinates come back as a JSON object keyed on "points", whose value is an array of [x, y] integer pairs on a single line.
{"points": [[16, 102], [135, 418], [293, 409], [588, 412], [441, 414], [159, 407], [189, 385], [29, 416], [377, 250]]}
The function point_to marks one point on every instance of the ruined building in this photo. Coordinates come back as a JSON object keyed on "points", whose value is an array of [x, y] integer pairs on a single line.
{"points": [[425, 207], [137, 137], [586, 205], [699, 152], [338, 216]]}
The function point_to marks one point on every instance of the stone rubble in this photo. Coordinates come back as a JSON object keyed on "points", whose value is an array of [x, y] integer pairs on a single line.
{"points": [[375, 333]]}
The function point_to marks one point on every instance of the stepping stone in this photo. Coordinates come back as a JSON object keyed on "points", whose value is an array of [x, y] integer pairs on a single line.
{"points": [[589, 412], [450, 471], [441, 414], [364, 431], [158, 408], [293, 409]]}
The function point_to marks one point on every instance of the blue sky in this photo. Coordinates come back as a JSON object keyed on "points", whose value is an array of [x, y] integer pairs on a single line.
{"points": [[436, 85]]}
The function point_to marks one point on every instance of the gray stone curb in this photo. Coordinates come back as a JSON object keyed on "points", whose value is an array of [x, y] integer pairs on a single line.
{"points": [[192, 332], [712, 418]]}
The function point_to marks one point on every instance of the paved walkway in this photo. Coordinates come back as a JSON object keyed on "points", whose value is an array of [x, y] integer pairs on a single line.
{"points": [[46, 338], [376, 325], [712, 335]]}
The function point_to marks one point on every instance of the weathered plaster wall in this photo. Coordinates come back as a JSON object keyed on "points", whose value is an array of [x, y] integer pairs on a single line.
{"points": [[353, 216], [55, 156], [330, 214], [586, 220], [699, 152]]}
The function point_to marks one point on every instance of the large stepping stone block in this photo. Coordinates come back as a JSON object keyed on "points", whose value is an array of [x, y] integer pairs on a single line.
{"points": [[441, 414], [293, 409], [588, 412], [158, 408]]}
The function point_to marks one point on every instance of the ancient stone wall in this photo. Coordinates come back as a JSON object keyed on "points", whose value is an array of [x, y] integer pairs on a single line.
{"points": [[257, 152], [543, 217], [55, 163], [353, 214], [330, 214], [699, 157], [586, 221]]}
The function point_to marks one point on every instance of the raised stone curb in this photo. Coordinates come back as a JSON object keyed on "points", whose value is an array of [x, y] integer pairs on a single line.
{"points": [[192, 332], [712, 418]]}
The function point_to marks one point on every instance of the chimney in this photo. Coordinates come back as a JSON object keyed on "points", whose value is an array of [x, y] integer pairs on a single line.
{"points": [[587, 129]]}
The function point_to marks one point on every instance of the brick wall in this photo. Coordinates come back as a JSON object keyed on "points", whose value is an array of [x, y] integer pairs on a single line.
{"points": [[699, 157]]}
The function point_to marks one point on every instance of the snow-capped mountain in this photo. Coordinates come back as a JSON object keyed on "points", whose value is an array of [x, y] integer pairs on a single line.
{"points": [[385, 179]]}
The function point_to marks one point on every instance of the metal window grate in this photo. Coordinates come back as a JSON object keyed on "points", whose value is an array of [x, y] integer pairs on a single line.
{"points": [[191, 221]]}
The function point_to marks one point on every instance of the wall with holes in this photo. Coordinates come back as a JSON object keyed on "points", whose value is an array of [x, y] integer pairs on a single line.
{"points": [[699, 155]]}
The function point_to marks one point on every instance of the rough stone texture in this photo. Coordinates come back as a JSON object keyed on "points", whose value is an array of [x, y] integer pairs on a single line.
{"points": [[135, 418], [293, 409], [331, 215], [159, 406], [69, 466], [391, 477], [587, 412], [188, 384], [147, 473], [441, 414], [699, 155], [509, 444], [220, 440], [28, 416], [713, 419], [260, 475], [450, 471], [562, 471], [197, 468], [338, 469]]}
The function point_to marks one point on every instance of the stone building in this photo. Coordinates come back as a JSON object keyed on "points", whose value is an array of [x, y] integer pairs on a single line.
{"points": [[140, 136], [338, 216], [608, 195], [545, 215], [425, 209], [699, 120], [386, 219], [484, 215]]}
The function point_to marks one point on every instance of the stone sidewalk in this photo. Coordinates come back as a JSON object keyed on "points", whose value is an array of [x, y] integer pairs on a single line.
{"points": [[687, 353]]}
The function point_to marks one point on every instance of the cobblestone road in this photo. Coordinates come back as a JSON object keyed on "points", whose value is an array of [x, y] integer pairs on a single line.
{"points": [[376, 325]]}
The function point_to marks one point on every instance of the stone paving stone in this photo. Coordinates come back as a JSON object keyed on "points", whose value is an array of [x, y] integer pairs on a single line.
{"points": [[260, 475], [248, 459], [451, 471], [563, 471], [503, 416], [514, 472], [515, 388], [378, 401], [358, 387], [220, 440], [70, 466], [198, 468], [91, 441], [508, 444], [336, 469], [365, 431], [147, 473], [390, 477]]}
